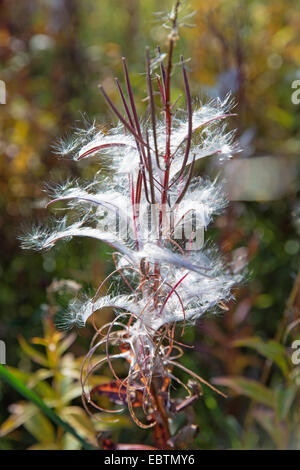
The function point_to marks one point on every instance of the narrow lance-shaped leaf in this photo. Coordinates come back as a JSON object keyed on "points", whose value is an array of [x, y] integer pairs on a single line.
{"points": [[8, 377], [250, 388]]}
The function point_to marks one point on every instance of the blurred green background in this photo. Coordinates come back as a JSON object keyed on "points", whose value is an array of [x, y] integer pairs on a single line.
{"points": [[53, 54]]}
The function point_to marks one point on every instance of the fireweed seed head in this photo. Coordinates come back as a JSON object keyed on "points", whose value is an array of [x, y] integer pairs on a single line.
{"points": [[151, 209]]}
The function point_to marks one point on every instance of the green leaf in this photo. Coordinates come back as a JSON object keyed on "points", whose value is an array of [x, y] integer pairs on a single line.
{"points": [[285, 400], [109, 423], [70, 443], [21, 412], [39, 376], [45, 446], [35, 355], [73, 391], [79, 419], [6, 375], [271, 350], [266, 419], [41, 428], [33, 381], [250, 388]]}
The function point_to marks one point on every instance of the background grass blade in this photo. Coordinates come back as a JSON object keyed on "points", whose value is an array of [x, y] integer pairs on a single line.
{"points": [[6, 375]]}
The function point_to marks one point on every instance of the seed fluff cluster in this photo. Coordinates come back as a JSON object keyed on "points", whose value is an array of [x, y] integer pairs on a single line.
{"points": [[153, 212]]}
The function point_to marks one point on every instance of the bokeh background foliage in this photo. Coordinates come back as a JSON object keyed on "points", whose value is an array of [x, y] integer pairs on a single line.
{"points": [[53, 54]]}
